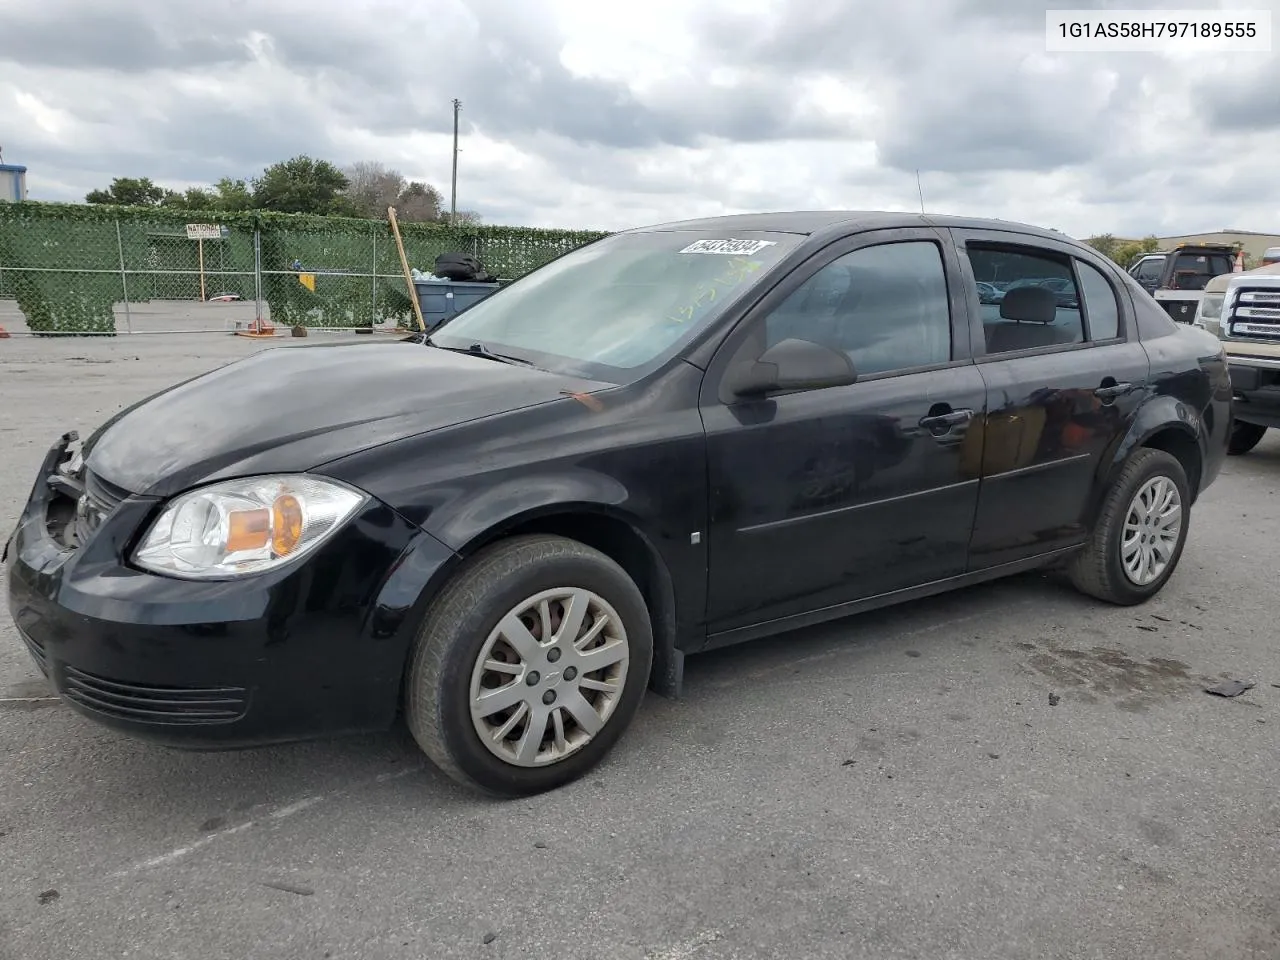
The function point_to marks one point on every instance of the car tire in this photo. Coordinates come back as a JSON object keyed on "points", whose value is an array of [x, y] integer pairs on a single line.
{"points": [[470, 648], [1144, 483], [1244, 437]]}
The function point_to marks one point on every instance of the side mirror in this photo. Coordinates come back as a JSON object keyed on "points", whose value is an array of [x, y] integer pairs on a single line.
{"points": [[793, 365]]}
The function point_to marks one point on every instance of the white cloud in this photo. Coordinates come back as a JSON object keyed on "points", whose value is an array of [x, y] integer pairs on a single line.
{"points": [[579, 113]]}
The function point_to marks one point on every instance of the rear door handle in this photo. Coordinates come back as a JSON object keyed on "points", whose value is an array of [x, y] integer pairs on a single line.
{"points": [[942, 422], [1113, 390]]}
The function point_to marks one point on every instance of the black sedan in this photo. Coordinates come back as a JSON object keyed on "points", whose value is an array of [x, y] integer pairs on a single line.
{"points": [[669, 440]]}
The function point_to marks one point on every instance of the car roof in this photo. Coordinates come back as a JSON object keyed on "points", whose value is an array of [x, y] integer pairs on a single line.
{"points": [[810, 222], [1219, 283]]}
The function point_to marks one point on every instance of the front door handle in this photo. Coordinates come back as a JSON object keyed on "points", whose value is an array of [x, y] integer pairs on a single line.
{"points": [[938, 424], [1109, 391]]}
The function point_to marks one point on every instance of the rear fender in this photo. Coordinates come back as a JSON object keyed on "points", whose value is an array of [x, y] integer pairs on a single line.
{"points": [[1159, 415]]}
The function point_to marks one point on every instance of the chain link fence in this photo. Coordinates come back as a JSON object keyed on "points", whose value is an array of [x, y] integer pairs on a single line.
{"points": [[102, 275]]}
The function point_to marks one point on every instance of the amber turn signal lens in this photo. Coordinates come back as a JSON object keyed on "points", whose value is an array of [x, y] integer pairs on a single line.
{"points": [[248, 529], [286, 525]]}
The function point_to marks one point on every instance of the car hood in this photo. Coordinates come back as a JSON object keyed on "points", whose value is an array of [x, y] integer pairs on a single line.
{"points": [[293, 408]]}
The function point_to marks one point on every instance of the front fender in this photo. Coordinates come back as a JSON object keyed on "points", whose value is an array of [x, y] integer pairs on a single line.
{"points": [[595, 508], [513, 500]]}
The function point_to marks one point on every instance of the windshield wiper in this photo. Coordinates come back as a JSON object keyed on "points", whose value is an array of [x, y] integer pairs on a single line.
{"points": [[480, 350]]}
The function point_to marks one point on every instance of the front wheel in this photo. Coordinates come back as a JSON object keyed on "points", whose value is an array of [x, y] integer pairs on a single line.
{"points": [[1244, 437], [529, 667], [1142, 527]]}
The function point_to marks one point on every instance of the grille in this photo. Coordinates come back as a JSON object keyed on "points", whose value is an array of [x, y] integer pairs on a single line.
{"points": [[99, 502], [151, 704], [1255, 313]]}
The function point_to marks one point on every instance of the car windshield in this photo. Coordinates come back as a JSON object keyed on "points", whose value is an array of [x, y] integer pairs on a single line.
{"points": [[616, 308]]}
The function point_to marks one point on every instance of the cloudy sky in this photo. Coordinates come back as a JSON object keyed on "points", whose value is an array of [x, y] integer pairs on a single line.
{"points": [[613, 113]]}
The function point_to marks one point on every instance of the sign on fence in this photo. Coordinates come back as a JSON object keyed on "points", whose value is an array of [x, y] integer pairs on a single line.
{"points": [[206, 231]]}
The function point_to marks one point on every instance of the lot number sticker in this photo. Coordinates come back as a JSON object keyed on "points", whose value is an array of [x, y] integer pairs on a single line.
{"points": [[731, 248]]}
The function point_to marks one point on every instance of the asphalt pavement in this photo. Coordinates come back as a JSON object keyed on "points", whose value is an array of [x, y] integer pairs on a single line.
{"points": [[1011, 771]]}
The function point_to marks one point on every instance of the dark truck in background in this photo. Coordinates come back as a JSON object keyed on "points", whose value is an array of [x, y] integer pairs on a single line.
{"points": [[1177, 277]]}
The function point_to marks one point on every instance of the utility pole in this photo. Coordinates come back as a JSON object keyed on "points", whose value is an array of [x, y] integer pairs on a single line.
{"points": [[453, 195], [920, 191]]}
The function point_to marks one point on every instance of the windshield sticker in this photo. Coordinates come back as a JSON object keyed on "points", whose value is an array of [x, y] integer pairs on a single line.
{"points": [[739, 248]]}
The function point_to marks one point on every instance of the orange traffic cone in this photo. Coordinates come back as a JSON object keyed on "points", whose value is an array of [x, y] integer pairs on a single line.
{"points": [[258, 328]]}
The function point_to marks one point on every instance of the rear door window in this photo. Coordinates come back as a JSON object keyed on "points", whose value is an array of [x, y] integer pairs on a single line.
{"points": [[1047, 315]]}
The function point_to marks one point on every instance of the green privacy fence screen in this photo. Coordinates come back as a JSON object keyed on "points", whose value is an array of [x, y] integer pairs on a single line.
{"points": [[68, 265]]}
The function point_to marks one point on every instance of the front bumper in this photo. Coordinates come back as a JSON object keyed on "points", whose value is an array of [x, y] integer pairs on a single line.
{"points": [[1255, 386], [312, 649]]}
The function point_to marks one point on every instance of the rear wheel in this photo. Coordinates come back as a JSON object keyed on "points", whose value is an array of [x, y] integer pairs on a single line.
{"points": [[1138, 539], [529, 667], [1244, 437]]}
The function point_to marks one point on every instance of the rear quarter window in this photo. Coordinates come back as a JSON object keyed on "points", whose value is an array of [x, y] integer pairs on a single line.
{"points": [[1101, 309], [1151, 319]]}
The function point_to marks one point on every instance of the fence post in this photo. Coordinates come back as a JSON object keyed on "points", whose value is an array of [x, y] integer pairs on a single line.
{"points": [[124, 281], [373, 316], [257, 273]]}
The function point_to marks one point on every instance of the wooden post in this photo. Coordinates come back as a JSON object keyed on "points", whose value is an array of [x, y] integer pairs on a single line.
{"points": [[404, 265], [200, 250]]}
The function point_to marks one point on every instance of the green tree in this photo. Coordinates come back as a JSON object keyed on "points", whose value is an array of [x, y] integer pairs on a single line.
{"points": [[1126, 253], [1105, 244], [418, 202], [233, 195], [128, 192], [302, 185], [193, 198]]}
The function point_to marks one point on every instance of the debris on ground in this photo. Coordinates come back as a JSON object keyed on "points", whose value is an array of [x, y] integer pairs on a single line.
{"points": [[1147, 627], [1054, 699], [490, 937], [289, 888], [1231, 688], [48, 896]]}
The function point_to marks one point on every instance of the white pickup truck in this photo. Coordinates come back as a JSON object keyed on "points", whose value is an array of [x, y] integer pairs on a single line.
{"points": [[1243, 309]]}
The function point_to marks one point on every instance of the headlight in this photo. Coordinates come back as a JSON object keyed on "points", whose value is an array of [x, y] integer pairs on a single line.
{"points": [[245, 526], [1209, 313]]}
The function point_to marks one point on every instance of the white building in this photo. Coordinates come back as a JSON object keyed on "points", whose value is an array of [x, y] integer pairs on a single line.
{"points": [[13, 183]]}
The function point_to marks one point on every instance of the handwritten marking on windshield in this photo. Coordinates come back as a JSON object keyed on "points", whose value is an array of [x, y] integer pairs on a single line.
{"points": [[706, 292]]}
